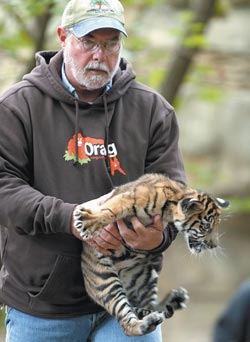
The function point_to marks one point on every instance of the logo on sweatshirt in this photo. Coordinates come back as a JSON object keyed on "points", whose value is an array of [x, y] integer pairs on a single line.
{"points": [[90, 149]]}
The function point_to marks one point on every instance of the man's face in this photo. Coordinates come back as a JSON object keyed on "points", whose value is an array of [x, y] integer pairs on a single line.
{"points": [[91, 69]]}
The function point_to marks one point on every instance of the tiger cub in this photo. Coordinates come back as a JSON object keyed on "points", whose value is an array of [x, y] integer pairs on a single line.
{"points": [[125, 284]]}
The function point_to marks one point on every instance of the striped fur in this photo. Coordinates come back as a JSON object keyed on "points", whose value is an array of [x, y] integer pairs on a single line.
{"points": [[125, 284]]}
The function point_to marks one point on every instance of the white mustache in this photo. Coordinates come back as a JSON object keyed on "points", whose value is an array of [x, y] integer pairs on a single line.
{"points": [[97, 66]]}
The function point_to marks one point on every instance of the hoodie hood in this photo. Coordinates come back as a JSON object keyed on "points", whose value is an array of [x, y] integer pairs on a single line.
{"points": [[47, 77]]}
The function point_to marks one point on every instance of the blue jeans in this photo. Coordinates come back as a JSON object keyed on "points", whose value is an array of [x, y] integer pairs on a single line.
{"points": [[21, 327]]}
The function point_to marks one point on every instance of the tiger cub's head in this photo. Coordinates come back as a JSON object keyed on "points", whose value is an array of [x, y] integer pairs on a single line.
{"points": [[197, 215]]}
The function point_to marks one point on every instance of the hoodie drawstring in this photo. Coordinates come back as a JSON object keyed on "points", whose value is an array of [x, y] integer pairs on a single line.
{"points": [[76, 130], [106, 133]]}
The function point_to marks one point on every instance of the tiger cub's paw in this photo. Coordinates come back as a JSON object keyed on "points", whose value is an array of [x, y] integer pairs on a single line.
{"points": [[85, 222], [150, 322], [138, 327], [177, 298]]}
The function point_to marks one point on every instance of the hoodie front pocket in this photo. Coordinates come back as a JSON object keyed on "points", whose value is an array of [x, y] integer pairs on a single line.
{"points": [[64, 284]]}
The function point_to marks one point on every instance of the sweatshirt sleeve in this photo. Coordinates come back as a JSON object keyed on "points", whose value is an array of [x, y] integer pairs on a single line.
{"points": [[169, 236], [23, 207], [164, 154]]}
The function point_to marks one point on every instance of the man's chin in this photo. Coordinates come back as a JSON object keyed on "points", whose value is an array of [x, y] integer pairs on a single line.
{"points": [[94, 85]]}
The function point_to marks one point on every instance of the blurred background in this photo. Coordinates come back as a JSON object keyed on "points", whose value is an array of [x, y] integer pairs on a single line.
{"points": [[197, 54]]}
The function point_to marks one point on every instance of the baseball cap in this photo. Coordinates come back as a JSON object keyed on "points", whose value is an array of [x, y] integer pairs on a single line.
{"points": [[85, 16]]}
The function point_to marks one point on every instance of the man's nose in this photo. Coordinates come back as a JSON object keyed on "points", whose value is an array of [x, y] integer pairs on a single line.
{"points": [[99, 53]]}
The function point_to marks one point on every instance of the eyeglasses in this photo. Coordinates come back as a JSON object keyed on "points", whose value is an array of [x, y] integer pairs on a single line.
{"points": [[109, 47]]}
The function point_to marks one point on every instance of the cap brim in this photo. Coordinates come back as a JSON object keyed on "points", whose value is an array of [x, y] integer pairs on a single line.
{"points": [[85, 27]]}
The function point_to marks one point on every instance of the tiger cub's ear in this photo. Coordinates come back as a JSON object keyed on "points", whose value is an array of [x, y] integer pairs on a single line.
{"points": [[222, 203], [192, 205]]}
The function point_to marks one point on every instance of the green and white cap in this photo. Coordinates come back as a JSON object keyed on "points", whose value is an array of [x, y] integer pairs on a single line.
{"points": [[85, 16]]}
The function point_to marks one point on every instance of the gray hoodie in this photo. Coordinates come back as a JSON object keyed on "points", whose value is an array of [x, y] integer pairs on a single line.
{"points": [[45, 171]]}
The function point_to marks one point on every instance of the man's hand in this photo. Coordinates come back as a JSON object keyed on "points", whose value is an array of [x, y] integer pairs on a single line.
{"points": [[144, 238], [107, 239]]}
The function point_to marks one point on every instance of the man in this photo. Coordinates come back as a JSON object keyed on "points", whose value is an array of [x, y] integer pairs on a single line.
{"points": [[75, 127]]}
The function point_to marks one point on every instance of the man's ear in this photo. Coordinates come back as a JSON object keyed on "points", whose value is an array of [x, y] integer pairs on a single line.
{"points": [[62, 34]]}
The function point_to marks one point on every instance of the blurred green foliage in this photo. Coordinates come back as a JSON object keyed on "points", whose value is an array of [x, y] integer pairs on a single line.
{"points": [[136, 44], [21, 20], [199, 76], [210, 93], [200, 171], [240, 205], [195, 40], [2, 317]]}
